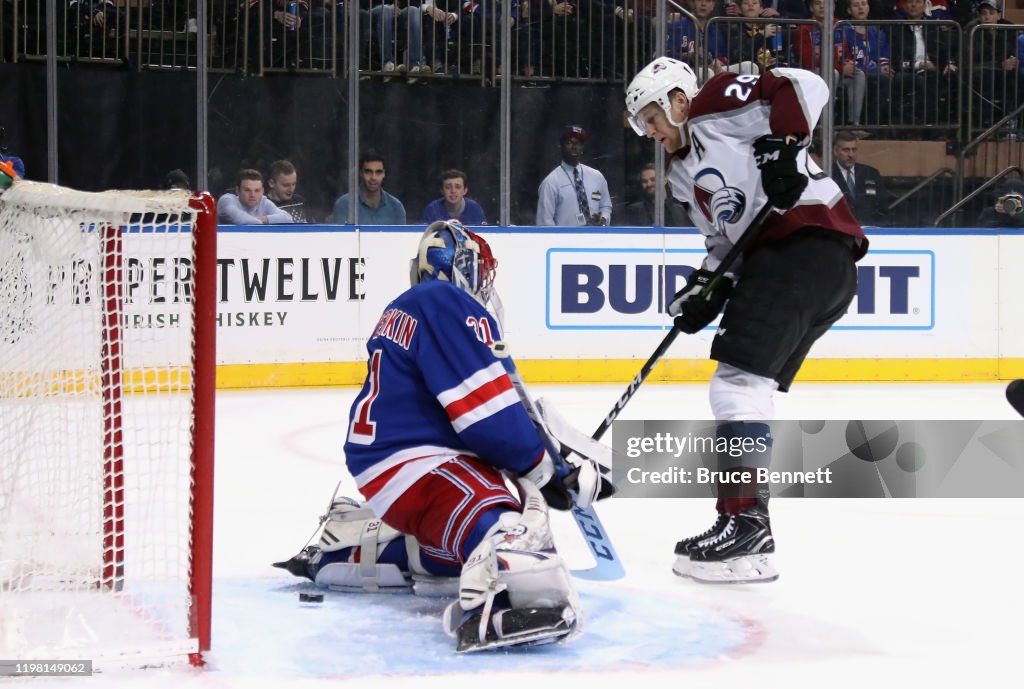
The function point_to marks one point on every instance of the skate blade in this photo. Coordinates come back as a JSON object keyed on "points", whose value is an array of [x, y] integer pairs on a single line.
{"points": [[749, 569], [555, 624]]}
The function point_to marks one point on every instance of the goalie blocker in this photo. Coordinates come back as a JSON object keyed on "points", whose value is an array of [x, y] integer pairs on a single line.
{"points": [[432, 437]]}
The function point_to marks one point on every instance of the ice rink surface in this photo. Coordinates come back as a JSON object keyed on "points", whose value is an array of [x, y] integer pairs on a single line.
{"points": [[921, 592]]}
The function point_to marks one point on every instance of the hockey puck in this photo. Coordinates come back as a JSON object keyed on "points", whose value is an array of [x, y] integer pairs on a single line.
{"points": [[311, 598]]}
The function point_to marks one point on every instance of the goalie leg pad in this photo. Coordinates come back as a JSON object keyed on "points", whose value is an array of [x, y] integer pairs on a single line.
{"points": [[357, 552], [514, 588], [350, 526]]}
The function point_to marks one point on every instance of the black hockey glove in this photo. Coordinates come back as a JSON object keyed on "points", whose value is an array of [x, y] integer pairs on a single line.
{"points": [[694, 311], [776, 159]]}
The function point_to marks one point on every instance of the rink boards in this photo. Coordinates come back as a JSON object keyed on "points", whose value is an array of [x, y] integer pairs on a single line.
{"points": [[586, 304]]}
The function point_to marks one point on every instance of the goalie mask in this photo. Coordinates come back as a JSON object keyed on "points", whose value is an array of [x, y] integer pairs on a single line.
{"points": [[653, 84], [450, 252]]}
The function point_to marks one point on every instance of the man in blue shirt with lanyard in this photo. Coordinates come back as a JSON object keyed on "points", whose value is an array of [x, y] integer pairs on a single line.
{"points": [[573, 194]]}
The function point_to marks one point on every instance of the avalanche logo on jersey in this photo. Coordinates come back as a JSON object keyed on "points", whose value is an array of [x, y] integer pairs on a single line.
{"points": [[721, 204]]}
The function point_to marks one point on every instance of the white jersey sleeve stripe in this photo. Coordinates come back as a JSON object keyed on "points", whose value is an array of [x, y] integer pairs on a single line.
{"points": [[478, 379], [486, 409]]}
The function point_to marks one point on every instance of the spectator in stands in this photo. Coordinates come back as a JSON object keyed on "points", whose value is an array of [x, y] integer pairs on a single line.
{"points": [[862, 53], [635, 22], [340, 17], [409, 22], [527, 38], [247, 205], [787, 9], [17, 163], [576, 39], [996, 65], [681, 42], [1008, 209], [476, 32], [177, 179], [961, 11], [288, 34], [808, 39], [437, 28], [453, 204], [573, 194], [861, 184], [376, 206], [295, 33], [91, 29], [640, 213], [281, 184], [754, 47], [925, 55]]}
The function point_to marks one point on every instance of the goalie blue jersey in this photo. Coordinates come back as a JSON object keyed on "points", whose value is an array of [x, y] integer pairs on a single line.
{"points": [[434, 390]]}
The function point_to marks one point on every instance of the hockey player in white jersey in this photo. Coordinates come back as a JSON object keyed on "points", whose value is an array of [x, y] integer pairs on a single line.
{"points": [[735, 145], [436, 438]]}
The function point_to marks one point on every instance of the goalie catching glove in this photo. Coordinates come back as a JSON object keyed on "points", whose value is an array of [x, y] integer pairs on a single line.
{"points": [[581, 486], [776, 159], [692, 308]]}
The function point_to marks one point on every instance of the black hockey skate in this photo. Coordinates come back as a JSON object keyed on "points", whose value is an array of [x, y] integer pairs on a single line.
{"points": [[688, 545], [738, 554], [301, 564]]}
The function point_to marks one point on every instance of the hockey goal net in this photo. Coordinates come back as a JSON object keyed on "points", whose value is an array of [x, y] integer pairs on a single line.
{"points": [[107, 318]]}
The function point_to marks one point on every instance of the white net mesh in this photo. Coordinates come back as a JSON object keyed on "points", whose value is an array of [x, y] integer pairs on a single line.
{"points": [[95, 423]]}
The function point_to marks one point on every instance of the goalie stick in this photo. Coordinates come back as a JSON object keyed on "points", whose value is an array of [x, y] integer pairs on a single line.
{"points": [[1015, 395], [608, 565], [745, 240]]}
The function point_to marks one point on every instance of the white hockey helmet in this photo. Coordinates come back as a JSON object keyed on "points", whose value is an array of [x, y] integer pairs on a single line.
{"points": [[448, 251], [653, 84]]}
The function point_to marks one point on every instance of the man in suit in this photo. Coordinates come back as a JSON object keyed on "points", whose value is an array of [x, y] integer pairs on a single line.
{"points": [[860, 184]]}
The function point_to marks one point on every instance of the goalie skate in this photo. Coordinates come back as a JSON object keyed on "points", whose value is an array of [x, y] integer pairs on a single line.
{"points": [[518, 627]]}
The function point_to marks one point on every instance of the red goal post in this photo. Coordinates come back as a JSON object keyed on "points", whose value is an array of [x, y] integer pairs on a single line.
{"points": [[107, 384]]}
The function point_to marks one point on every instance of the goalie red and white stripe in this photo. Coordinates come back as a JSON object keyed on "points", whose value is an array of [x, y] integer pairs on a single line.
{"points": [[478, 397]]}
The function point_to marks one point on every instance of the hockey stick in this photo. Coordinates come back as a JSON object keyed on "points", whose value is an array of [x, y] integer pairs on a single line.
{"points": [[753, 230], [1015, 395], [608, 565]]}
